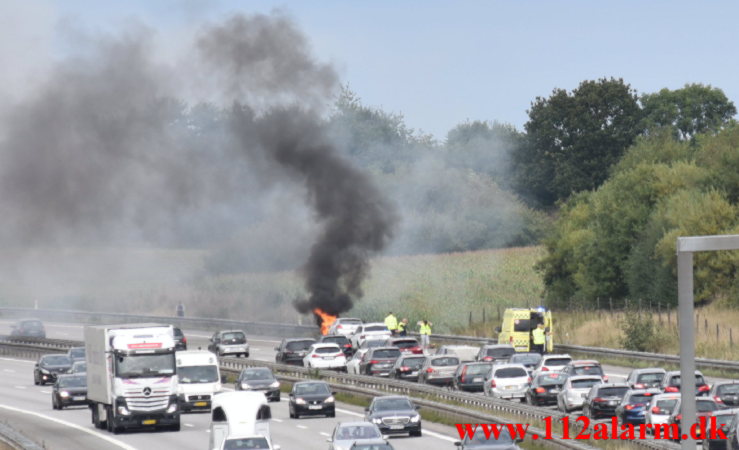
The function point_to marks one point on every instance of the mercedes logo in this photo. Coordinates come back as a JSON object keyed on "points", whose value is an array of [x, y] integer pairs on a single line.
{"points": [[147, 391]]}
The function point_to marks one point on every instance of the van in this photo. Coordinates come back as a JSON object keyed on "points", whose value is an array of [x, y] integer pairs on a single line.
{"points": [[237, 414], [518, 323], [199, 379]]}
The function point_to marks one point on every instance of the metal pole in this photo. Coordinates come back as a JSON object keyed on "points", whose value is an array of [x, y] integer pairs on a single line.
{"points": [[687, 346]]}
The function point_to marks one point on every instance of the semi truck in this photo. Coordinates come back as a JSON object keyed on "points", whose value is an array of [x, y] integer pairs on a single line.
{"points": [[132, 376]]}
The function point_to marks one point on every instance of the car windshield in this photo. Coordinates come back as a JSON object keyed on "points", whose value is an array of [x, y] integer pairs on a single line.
{"points": [[352, 432], [550, 379], [376, 328], [666, 406], [675, 380], [68, 382], [723, 418], [386, 353], [327, 350], [77, 352], [413, 363], [32, 325], [178, 333], [557, 362], [312, 389], [480, 437], [197, 374], [406, 343], [510, 372], [445, 362], [371, 447], [144, 366], [260, 373], [79, 366], [253, 443], [299, 345], [234, 337], [582, 384], [729, 389], [529, 359], [352, 322], [645, 397], [57, 360], [612, 391], [340, 340], [706, 406], [588, 370], [478, 369], [392, 404], [372, 343], [650, 378], [500, 352]]}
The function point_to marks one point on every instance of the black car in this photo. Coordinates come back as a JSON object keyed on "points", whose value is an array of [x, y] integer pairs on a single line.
{"points": [[603, 400], [28, 328], [544, 389], [180, 341], [49, 367], [292, 351], [471, 376], [394, 414], [407, 367], [339, 339], [722, 417], [379, 361], [528, 360], [309, 398], [69, 390], [726, 394], [259, 379], [76, 354]]}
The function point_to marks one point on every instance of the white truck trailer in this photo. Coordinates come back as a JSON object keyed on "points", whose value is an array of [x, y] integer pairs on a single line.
{"points": [[132, 376]]}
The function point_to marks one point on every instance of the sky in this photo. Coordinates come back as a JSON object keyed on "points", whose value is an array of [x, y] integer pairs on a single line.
{"points": [[438, 63]]}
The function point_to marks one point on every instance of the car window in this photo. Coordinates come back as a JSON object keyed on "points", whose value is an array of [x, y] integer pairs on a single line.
{"points": [[252, 443], [527, 360], [724, 389], [350, 321], [237, 337], [500, 352], [675, 380], [386, 353], [478, 369], [77, 352], [522, 325], [588, 370], [327, 350], [392, 404], [666, 406], [68, 382], [413, 363], [557, 361], [311, 388], [445, 361], [376, 328], [640, 398], [299, 345], [723, 419], [550, 379], [650, 377], [706, 406], [259, 373], [406, 343], [612, 391], [510, 372], [582, 384], [32, 325], [353, 432], [504, 437], [335, 340], [371, 447], [57, 360]]}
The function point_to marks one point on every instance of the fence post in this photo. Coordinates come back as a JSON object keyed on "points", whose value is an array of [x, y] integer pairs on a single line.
{"points": [[610, 303], [705, 326], [483, 315], [716, 332], [470, 321], [731, 338], [498, 312]]}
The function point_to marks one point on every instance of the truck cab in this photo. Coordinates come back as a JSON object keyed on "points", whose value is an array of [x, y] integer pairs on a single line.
{"points": [[199, 379], [132, 376], [518, 325]]}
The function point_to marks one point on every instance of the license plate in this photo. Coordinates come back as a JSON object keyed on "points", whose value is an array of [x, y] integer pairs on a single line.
{"points": [[477, 380], [510, 387], [396, 427], [78, 399], [415, 372], [201, 403], [149, 422], [315, 407], [328, 357]]}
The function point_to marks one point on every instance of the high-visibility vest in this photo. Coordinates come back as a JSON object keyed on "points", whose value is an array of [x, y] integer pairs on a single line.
{"points": [[425, 329], [401, 326], [539, 338], [391, 322]]}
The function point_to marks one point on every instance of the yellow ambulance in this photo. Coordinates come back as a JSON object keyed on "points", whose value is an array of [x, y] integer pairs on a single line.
{"points": [[518, 323]]}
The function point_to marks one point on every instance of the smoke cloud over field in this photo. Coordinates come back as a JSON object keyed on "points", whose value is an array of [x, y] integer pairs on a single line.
{"points": [[106, 152]]}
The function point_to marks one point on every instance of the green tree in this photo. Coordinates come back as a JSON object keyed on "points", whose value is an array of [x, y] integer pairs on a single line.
{"points": [[573, 138], [688, 111]]}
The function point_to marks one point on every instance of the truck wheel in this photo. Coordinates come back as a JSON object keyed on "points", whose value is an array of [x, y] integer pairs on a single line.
{"points": [[176, 426], [246, 355]]}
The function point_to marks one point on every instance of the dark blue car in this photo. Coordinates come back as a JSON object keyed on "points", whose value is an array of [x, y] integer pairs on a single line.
{"points": [[633, 407]]}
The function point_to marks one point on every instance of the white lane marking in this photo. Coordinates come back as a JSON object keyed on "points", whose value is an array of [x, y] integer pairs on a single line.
{"points": [[9, 370], [20, 387], [302, 427], [350, 413], [71, 425], [438, 436], [189, 425], [207, 431], [323, 433], [45, 392], [17, 360], [277, 420]]}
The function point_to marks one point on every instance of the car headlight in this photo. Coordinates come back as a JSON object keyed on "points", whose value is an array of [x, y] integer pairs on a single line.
{"points": [[172, 407], [44, 371], [64, 394], [276, 384], [122, 410], [300, 401], [245, 386], [330, 399], [416, 418], [377, 420]]}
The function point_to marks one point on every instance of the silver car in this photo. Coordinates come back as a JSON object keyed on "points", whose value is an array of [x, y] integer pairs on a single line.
{"points": [[507, 381], [438, 370], [575, 391], [345, 326], [660, 408], [347, 434], [369, 331]]}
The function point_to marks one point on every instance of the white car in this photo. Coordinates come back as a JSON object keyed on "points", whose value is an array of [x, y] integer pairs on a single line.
{"points": [[345, 326], [325, 356], [507, 381], [575, 391], [256, 442], [352, 366], [370, 331], [551, 363], [660, 408]]}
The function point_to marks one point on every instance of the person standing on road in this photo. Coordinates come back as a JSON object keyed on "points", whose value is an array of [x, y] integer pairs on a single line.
{"points": [[403, 327], [425, 332], [539, 339], [391, 322]]}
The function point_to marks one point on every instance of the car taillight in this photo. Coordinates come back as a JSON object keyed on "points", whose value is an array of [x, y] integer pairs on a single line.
{"points": [[605, 378], [545, 369], [510, 339], [487, 358], [629, 407], [679, 417], [315, 356], [540, 390], [640, 386], [671, 389], [348, 345], [338, 327], [464, 371], [717, 399], [374, 361], [656, 410], [704, 388], [184, 340], [599, 400], [528, 380], [429, 370], [405, 369], [362, 337], [492, 383]]}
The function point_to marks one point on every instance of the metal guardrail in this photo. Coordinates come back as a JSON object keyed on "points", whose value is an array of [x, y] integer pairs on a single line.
{"points": [[16, 440]]}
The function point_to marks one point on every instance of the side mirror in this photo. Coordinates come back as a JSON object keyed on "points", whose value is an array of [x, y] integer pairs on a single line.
{"points": [[224, 378], [497, 330], [329, 440], [417, 407], [519, 439], [366, 408], [458, 443], [333, 393], [291, 395], [277, 349]]}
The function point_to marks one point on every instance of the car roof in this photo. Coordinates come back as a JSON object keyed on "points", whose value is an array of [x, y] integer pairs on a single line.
{"points": [[668, 396], [310, 382], [334, 336], [325, 345], [339, 319], [584, 362], [231, 331], [455, 347], [649, 369], [354, 424], [584, 377], [672, 373], [498, 346], [374, 349], [374, 324], [562, 355], [644, 391], [606, 385], [510, 365], [298, 339], [386, 397]]}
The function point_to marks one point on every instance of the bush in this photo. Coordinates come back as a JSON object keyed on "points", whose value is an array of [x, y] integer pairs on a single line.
{"points": [[639, 333]]}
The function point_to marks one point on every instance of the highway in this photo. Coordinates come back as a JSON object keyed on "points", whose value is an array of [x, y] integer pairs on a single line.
{"points": [[28, 409]]}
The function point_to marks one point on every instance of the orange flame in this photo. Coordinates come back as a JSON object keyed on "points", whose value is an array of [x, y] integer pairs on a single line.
{"points": [[326, 320]]}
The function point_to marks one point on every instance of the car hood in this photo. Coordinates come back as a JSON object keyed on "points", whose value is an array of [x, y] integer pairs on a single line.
{"points": [[314, 397], [399, 412], [258, 384], [56, 368], [74, 390]]}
